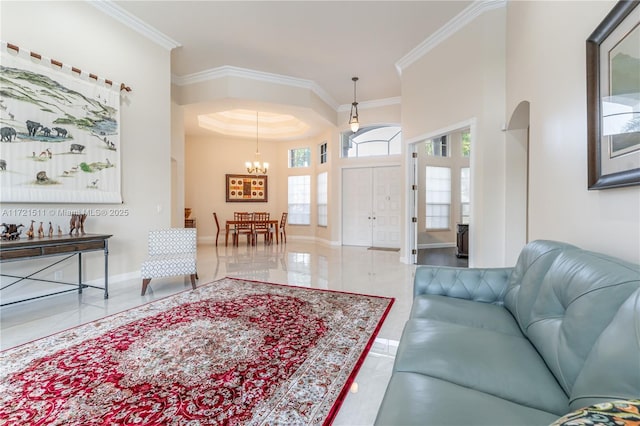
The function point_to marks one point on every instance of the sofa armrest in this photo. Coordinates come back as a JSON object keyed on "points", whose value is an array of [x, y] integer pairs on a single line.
{"points": [[479, 284]]}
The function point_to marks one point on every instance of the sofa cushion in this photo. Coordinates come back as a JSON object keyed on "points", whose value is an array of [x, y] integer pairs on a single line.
{"points": [[415, 399], [496, 363], [524, 283], [577, 300], [465, 312], [612, 369]]}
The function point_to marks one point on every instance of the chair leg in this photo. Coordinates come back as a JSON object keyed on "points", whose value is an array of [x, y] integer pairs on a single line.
{"points": [[217, 233], [193, 280], [145, 283]]}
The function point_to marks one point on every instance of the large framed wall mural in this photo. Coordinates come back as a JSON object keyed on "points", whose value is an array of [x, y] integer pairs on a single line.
{"points": [[60, 133], [246, 188], [613, 99]]}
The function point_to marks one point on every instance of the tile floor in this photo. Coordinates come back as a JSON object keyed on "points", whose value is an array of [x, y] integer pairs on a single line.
{"points": [[352, 269]]}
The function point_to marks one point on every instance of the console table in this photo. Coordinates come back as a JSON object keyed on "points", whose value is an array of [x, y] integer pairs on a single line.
{"points": [[66, 245]]}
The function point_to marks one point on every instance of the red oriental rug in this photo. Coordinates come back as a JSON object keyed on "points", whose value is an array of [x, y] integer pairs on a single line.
{"points": [[231, 352]]}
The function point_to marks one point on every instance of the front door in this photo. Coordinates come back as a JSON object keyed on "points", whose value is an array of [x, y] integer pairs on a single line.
{"points": [[371, 206]]}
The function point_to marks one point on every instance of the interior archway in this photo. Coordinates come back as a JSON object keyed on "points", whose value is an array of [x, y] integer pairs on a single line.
{"points": [[517, 181]]}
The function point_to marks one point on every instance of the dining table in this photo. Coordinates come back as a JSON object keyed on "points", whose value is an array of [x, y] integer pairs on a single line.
{"points": [[229, 223]]}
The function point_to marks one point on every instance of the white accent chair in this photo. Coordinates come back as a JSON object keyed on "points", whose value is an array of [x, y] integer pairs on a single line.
{"points": [[171, 252]]}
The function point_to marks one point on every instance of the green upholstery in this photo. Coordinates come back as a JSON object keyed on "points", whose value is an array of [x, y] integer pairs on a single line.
{"points": [[523, 345]]}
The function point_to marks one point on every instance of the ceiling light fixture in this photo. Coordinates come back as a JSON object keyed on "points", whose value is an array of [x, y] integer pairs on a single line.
{"points": [[353, 118], [256, 166]]}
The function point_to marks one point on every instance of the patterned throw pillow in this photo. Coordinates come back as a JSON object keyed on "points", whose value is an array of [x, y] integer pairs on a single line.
{"points": [[613, 413]]}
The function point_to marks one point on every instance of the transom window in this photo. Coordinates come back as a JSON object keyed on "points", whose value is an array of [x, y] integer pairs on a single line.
{"points": [[438, 147], [466, 143], [299, 157], [323, 152], [372, 141]]}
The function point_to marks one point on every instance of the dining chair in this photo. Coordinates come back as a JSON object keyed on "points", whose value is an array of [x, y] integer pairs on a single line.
{"points": [[215, 218], [244, 226], [283, 222], [261, 226]]}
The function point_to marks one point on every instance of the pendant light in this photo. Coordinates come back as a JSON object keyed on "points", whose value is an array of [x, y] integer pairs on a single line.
{"points": [[353, 117], [257, 167]]}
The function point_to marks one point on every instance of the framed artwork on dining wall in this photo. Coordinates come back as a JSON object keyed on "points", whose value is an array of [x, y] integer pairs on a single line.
{"points": [[246, 188], [613, 99]]}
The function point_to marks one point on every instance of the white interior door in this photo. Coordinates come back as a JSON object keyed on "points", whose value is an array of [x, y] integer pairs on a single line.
{"points": [[385, 224], [357, 198], [371, 206]]}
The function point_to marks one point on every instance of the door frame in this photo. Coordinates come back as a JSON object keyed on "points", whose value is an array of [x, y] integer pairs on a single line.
{"points": [[411, 242]]}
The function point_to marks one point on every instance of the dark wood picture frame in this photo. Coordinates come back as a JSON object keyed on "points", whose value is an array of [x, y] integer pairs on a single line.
{"points": [[596, 142], [246, 188]]}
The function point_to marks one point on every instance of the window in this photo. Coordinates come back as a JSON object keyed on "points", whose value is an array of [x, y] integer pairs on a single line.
{"points": [[438, 196], [372, 141], [299, 200], [299, 157], [465, 190], [322, 199], [466, 143], [438, 147], [323, 152]]}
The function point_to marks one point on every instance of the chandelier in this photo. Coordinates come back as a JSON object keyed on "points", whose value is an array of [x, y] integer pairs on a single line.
{"points": [[353, 118], [256, 166]]}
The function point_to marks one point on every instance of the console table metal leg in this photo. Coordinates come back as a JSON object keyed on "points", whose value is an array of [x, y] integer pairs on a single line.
{"points": [[79, 272], [106, 269]]}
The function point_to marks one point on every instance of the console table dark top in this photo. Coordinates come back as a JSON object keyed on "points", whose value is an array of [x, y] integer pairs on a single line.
{"points": [[34, 247]]}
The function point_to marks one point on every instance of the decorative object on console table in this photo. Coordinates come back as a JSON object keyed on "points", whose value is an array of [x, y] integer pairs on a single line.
{"points": [[77, 223], [11, 231], [462, 240], [190, 223], [613, 99], [246, 188]]}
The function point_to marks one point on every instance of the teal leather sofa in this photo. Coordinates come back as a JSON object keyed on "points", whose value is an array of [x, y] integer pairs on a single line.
{"points": [[517, 346]]}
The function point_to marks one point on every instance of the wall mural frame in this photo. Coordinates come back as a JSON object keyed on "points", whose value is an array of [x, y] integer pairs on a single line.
{"points": [[60, 132], [247, 188], [613, 99]]}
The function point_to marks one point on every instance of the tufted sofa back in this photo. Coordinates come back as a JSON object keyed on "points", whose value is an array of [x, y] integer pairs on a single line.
{"points": [[581, 310]]}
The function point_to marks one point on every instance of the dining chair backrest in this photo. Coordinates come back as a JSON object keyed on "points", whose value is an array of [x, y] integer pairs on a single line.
{"points": [[261, 218], [237, 215], [215, 218], [245, 221], [283, 223]]}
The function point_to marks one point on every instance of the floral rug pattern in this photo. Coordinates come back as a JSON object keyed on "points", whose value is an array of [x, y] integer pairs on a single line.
{"points": [[231, 352]]}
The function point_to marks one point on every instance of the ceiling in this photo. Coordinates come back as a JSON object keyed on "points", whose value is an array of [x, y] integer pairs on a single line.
{"points": [[325, 42]]}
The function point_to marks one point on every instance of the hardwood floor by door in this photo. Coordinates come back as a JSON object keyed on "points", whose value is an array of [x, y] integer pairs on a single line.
{"points": [[441, 257]]}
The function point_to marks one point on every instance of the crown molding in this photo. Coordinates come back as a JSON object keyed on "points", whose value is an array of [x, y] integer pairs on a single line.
{"points": [[119, 14], [377, 103], [458, 22], [231, 71]]}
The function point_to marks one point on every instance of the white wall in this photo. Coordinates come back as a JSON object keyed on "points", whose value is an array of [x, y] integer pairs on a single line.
{"points": [[461, 80], [77, 34], [546, 65]]}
